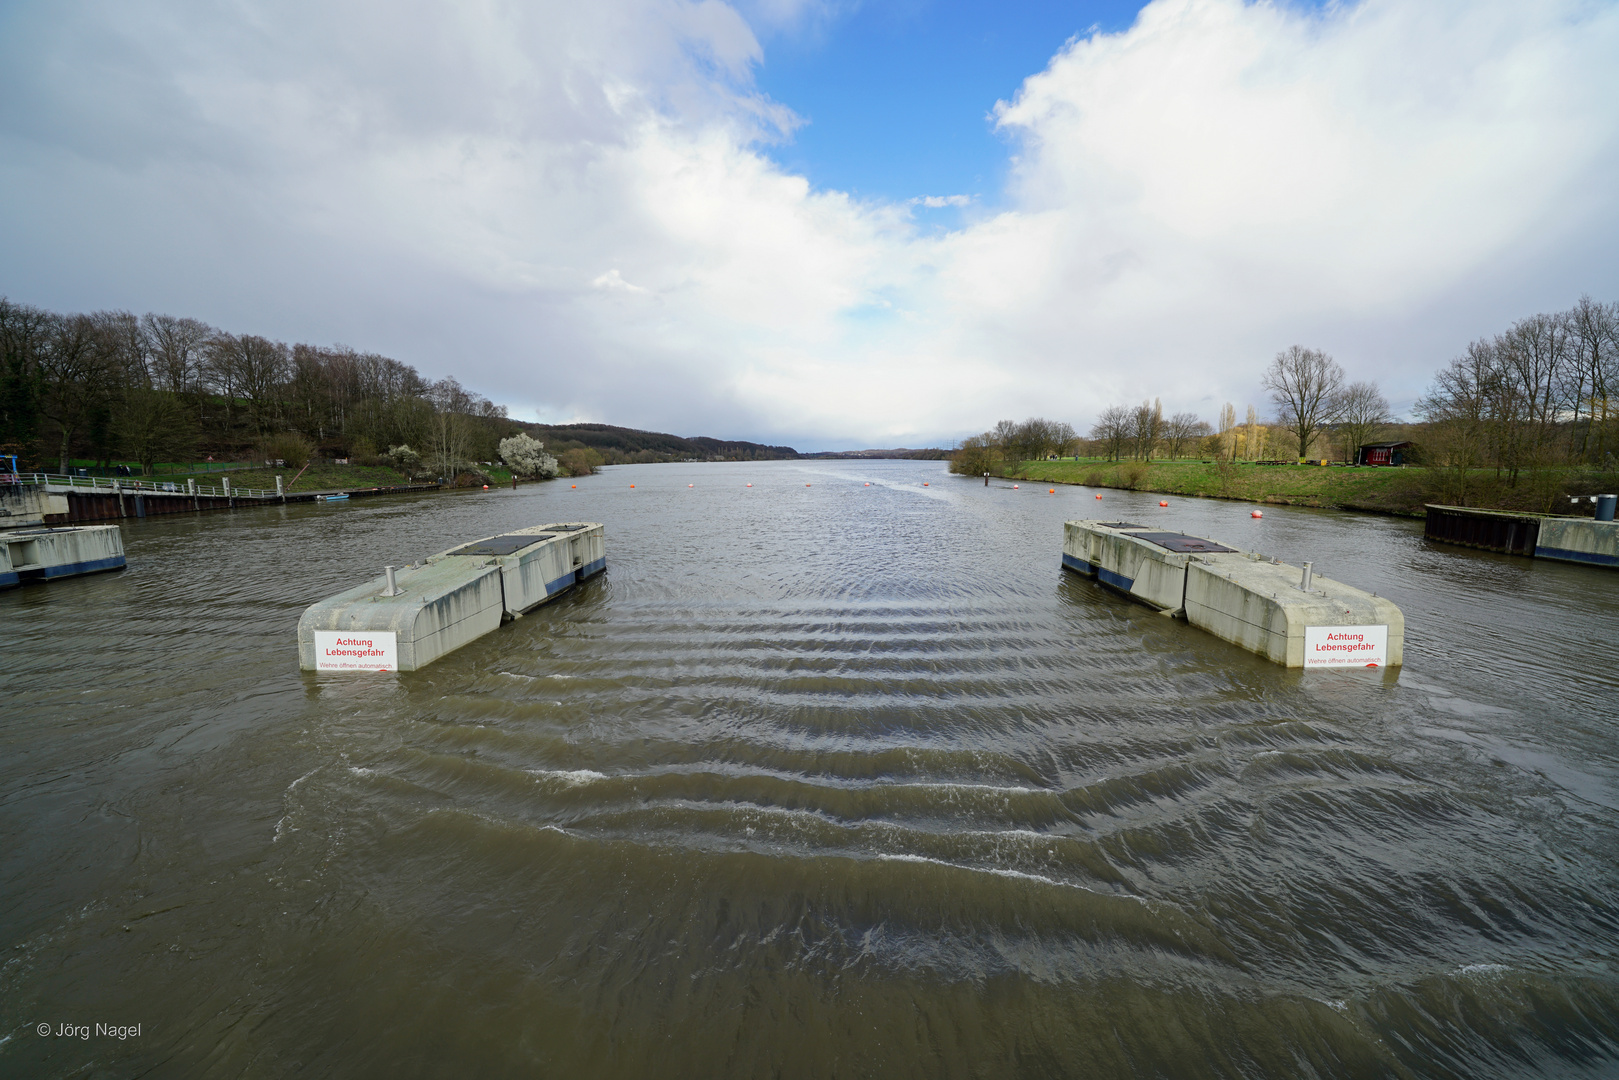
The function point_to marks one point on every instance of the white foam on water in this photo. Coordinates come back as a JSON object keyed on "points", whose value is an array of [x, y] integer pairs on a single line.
{"points": [[997, 871], [570, 777]]}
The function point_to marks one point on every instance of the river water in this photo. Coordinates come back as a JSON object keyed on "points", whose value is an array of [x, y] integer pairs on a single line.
{"points": [[819, 779]]}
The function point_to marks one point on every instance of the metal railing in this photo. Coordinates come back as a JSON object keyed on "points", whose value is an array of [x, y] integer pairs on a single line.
{"points": [[113, 485]]}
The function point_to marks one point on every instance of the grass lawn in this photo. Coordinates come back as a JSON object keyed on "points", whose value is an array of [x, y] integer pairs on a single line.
{"points": [[1385, 490]]}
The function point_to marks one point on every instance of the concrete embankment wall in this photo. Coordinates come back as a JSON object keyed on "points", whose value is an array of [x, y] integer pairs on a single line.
{"points": [[1239, 596], [21, 507], [1544, 536], [105, 505]]}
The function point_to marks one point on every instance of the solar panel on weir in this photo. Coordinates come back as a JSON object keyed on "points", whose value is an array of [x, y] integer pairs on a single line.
{"points": [[1180, 542], [502, 545]]}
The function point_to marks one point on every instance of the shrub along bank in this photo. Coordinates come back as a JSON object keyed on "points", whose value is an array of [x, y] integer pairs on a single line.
{"points": [[1381, 490]]}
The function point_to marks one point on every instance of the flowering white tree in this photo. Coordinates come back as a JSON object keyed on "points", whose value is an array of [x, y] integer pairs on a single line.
{"points": [[527, 457], [405, 459]]}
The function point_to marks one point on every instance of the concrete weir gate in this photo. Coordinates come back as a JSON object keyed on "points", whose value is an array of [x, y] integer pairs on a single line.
{"points": [[46, 554], [1284, 613], [406, 620]]}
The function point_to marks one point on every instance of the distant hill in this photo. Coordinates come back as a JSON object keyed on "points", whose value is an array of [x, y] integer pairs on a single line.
{"points": [[621, 445], [930, 454]]}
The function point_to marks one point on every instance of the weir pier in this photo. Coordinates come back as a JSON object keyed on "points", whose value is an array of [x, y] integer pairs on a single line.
{"points": [[1287, 614], [406, 619], [1592, 541], [31, 550]]}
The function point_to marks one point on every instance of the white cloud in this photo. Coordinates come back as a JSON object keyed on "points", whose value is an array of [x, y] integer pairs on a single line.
{"points": [[563, 204]]}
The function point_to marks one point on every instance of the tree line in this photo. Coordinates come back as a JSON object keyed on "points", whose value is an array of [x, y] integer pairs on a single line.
{"points": [[110, 385], [1543, 392]]}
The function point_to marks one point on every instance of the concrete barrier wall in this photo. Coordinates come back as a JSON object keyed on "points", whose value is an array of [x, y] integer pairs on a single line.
{"points": [[1141, 570], [1238, 596], [1581, 540], [25, 507], [1257, 604], [50, 553], [441, 607], [564, 553], [459, 595]]}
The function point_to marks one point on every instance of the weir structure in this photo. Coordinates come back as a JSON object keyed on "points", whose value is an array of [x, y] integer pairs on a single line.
{"points": [[1287, 614], [407, 618], [1591, 541], [31, 550], [101, 498]]}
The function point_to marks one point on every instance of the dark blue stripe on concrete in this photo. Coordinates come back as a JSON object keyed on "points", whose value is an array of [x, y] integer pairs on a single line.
{"points": [[554, 587], [1079, 565], [89, 566], [1118, 581], [1590, 558], [9, 577]]}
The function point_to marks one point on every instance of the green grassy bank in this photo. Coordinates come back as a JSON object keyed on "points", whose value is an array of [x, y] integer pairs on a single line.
{"points": [[1382, 490]]}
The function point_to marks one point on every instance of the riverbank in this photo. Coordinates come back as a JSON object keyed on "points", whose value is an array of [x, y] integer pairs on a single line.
{"points": [[1403, 491], [314, 478], [1400, 491]]}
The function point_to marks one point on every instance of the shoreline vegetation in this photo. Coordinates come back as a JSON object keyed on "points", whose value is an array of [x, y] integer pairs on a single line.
{"points": [[1402, 491]]}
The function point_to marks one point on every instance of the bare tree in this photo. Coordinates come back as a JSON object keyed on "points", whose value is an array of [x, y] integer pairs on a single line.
{"points": [[1113, 428], [24, 334], [175, 350], [1529, 360], [1182, 429], [1304, 384], [449, 443], [1590, 381], [1146, 428], [76, 376], [1459, 413], [1363, 413], [1227, 432]]}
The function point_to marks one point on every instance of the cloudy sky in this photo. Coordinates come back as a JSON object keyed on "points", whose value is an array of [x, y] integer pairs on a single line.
{"points": [[841, 224]]}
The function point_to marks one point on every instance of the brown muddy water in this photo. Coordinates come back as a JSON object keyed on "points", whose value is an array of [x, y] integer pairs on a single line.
{"points": [[824, 781]]}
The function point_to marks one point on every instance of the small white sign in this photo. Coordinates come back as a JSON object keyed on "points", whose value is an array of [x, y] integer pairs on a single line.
{"points": [[356, 650], [1346, 646]]}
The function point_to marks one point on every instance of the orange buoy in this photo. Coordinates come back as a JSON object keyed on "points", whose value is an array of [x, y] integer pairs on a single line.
{"points": [[1051, 491], [1257, 513], [1098, 495], [573, 485], [1014, 487], [1161, 502], [750, 485], [632, 485], [486, 487], [868, 483], [691, 485], [806, 485], [924, 483]]}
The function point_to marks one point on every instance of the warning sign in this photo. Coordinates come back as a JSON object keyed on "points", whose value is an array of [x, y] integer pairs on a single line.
{"points": [[1346, 646], [356, 650]]}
